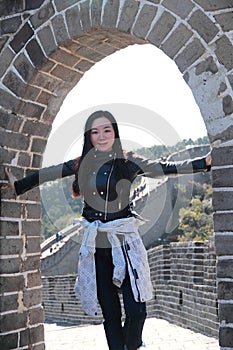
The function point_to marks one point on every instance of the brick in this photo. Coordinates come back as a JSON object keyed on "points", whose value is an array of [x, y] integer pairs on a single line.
{"points": [[225, 20], [6, 58], [9, 302], [62, 72], [96, 9], [31, 5], [224, 52], [10, 265], [227, 104], [154, 1], [11, 209], [11, 246], [33, 245], [16, 141], [47, 40], [9, 228], [8, 101], [62, 5], [42, 16], [223, 155], [85, 15], [225, 268], [203, 25], [37, 161], [34, 279], [222, 200], [14, 83], [144, 20], [176, 40], [65, 58], [11, 283], [9, 341], [189, 55], [128, 14], [14, 321], [32, 336], [24, 67], [226, 337], [35, 53], [38, 145], [59, 29], [11, 7], [73, 21], [110, 13], [224, 243], [33, 211], [31, 228], [36, 128], [24, 159], [222, 177], [32, 297], [226, 313], [180, 7], [10, 25], [162, 28], [208, 65], [21, 38], [31, 263], [10, 121], [36, 316], [213, 5]]}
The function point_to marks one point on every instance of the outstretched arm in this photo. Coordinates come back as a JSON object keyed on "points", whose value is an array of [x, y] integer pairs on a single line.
{"points": [[38, 177]]}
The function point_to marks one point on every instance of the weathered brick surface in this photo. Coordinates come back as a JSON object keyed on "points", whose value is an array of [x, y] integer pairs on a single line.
{"points": [[110, 13], [224, 243], [181, 7], [128, 14], [32, 297], [226, 337], [176, 40], [190, 54], [161, 28], [9, 341], [224, 52], [40, 92], [144, 20], [203, 25], [225, 268], [9, 302], [226, 312], [32, 336]]}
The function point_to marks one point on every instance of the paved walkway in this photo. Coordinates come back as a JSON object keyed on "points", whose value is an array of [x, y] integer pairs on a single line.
{"points": [[157, 334]]}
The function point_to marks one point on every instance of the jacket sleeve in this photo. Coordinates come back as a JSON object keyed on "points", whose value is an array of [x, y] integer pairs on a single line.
{"points": [[43, 175], [155, 168]]}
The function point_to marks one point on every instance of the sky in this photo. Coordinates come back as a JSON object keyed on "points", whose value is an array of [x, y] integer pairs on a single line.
{"points": [[144, 90]]}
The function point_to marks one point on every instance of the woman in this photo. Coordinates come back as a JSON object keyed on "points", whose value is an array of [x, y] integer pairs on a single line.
{"points": [[112, 256]]}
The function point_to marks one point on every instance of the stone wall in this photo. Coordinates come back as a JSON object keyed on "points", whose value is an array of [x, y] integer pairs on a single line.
{"points": [[184, 281], [45, 48]]}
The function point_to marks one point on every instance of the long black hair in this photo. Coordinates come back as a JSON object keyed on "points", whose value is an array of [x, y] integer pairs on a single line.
{"points": [[88, 149]]}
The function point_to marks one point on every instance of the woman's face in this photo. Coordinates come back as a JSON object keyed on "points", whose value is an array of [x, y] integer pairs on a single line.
{"points": [[102, 134]]}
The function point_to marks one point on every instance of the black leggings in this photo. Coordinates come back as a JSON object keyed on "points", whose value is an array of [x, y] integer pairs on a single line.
{"points": [[108, 295]]}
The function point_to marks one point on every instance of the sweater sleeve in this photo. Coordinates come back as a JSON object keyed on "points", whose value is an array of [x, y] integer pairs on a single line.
{"points": [[155, 168], [44, 175]]}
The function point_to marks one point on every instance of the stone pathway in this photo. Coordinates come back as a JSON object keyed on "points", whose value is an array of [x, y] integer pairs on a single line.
{"points": [[157, 334]]}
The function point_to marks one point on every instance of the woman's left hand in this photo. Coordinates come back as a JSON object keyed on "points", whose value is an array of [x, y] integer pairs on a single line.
{"points": [[208, 159]]}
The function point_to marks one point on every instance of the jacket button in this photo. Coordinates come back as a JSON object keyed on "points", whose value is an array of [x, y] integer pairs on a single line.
{"points": [[96, 214], [93, 193], [100, 214], [102, 192]]}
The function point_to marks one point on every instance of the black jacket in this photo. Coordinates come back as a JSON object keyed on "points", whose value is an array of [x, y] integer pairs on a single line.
{"points": [[105, 197]]}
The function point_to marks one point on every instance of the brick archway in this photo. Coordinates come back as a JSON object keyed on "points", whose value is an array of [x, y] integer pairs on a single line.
{"points": [[45, 50]]}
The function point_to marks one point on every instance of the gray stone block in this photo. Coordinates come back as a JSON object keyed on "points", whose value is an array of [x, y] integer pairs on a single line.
{"points": [[176, 40], [73, 21], [128, 14], [226, 337], [222, 200], [213, 5], [225, 268], [227, 104], [224, 242], [42, 16], [189, 55], [144, 20], [224, 52], [180, 7], [24, 67], [10, 25], [203, 25], [110, 13], [161, 28], [35, 53], [222, 177], [85, 15], [14, 83], [96, 9], [47, 40], [6, 58], [21, 38], [59, 29]]}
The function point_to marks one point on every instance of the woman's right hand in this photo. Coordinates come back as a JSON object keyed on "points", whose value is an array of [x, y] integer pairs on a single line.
{"points": [[11, 180]]}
